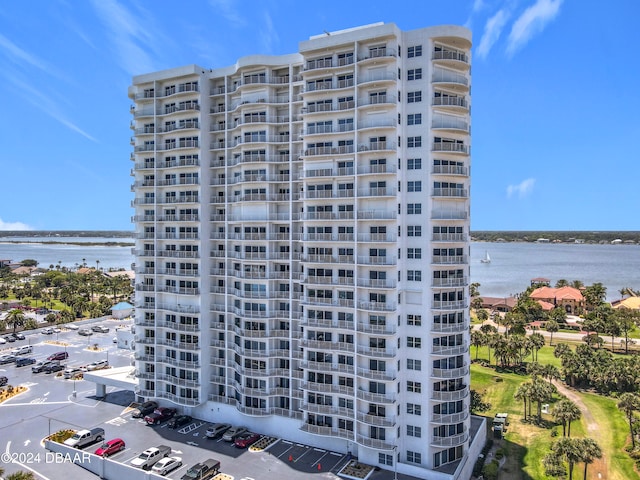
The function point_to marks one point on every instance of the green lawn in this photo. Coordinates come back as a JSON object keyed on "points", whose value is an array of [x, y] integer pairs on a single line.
{"points": [[526, 444], [545, 356]]}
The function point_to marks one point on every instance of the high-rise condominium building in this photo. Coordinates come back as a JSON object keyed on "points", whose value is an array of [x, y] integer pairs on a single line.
{"points": [[302, 244]]}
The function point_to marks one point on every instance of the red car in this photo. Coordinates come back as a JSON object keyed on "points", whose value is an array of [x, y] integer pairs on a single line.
{"points": [[246, 440], [58, 356], [159, 415], [109, 448]]}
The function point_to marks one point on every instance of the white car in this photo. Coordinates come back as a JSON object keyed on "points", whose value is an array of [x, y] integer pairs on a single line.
{"points": [[97, 365], [167, 465], [2, 341], [71, 326]]}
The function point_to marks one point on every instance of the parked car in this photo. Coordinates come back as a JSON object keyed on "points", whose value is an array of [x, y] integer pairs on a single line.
{"points": [[7, 358], [159, 415], [9, 338], [23, 350], [40, 366], [53, 367], [85, 332], [166, 465], [24, 361], [110, 447], [144, 409], [83, 438], [151, 456], [178, 421], [100, 329], [2, 341], [71, 326], [199, 471], [18, 336], [3, 381], [233, 433], [216, 430], [72, 372], [48, 331], [244, 441], [58, 356], [97, 365]]}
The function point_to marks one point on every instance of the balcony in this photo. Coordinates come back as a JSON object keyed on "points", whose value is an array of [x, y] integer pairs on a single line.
{"points": [[377, 77], [377, 215], [449, 259], [377, 192], [454, 104], [386, 398], [388, 376], [450, 282], [450, 441], [377, 237], [377, 53], [377, 260], [450, 350], [449, 327], [450, 170], [452, 80], [451, 58], [450, 192], [376, 146], [450, 396], [377, 352], [450, 372], [449, 215], [376, 420], [377, 283], [450, 123], [374, 443], [377, 100], [450, 147], [339, 150], [453, 305]]}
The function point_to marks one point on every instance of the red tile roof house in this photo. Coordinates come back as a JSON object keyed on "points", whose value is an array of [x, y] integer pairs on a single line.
{"points": [[569, 298], [500, 304]]}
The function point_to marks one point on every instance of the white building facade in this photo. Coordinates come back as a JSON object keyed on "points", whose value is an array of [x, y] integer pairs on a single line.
{"points": [[302, 244]]}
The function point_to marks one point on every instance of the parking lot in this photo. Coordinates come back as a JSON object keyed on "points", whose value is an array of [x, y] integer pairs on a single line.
{"points": [[53, 403]]}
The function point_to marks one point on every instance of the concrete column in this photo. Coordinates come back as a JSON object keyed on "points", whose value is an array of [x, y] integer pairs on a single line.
{"points": [[101, 390]]}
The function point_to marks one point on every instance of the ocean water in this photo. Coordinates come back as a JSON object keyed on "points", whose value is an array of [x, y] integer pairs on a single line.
{"points": [[512, 266]]}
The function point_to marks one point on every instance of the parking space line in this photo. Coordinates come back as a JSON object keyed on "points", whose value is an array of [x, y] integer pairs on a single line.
{"points": [[300, 456], [318, 461]]}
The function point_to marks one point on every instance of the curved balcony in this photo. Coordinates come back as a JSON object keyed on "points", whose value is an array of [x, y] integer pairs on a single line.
{"points": [[441, 350], [387, 376], [327, 431], [187, 402], [450, 372], [339, 150], [321, 86], [376, 420], [449, 419], [451, 58], [451, 396], [183, 107], [374, 443], [449, 282], [376, 329], [452, 80], [449, 260], [377, 53], [377, 306], [376, 352], [386, 398], [454, 305], [378, 77], [454, 170], [377, 100], [450, 104], [379, 260], [448, 123], [377, 147], [439, 214], [451, 147], [377, 283], [452, 441]]}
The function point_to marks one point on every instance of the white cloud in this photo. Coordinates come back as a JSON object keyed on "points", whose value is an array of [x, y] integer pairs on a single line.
{"points": [[229, 9], [13, 226], [128, 36], [492, 30], [522, 189], [478, 5], [268, 34], [532, 21]]}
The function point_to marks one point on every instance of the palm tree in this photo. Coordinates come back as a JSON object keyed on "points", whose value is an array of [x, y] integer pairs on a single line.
{"points": [[21, 475], [565, 412], [15, 318], [550, 372], [562, 283], [590, 451], [536, 341], [477, 340], [552, 327], [541, 391], [561, 350], [630, 403], [570, 449], [523, 392]]}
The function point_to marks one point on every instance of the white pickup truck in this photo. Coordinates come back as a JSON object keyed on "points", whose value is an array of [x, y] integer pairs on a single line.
{"points": [[151, 456]]}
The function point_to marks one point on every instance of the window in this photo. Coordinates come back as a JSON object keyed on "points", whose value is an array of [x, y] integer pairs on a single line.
{"points": [[414, 342], [414, 142], [414, 457], [385, 459], [414, 119], [414, 275], [414, 97], [414, 364], [414, 164], [414, 208], [413, 431], [414, 74], [414, 231], [415, 51], [414, 253], [414, 186], [414, 409], [415, 387]]}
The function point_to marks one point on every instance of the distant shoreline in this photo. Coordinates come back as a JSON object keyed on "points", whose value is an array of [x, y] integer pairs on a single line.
{"points": [[62, 242]]}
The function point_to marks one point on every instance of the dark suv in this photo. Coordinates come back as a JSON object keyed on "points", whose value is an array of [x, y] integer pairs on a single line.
{"points": [[58, 356], [144, 409], [3, 381]]}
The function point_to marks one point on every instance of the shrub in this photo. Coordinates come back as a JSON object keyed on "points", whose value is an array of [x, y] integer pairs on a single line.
{"points": [[490, 470]]}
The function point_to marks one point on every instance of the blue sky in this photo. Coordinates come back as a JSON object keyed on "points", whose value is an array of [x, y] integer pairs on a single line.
{"points": [[555, 99]]}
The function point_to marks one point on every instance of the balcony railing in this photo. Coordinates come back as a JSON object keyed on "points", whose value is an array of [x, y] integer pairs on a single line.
{"points": [[450, 55], [450, 147]]}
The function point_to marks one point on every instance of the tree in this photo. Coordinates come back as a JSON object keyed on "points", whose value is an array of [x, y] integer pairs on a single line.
{"points": [[561, 350], [21, 475], [590, 451], [626, 320], [565, 412], [630, 403], [552, 327], [482, 315], [477, 340], [594, 295], [562, 283], [541, 391], [522, 393], [477, 404], [553, 466], [570, 450], [558, 314], [536, 342], [15, 318], [550, 372]]}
